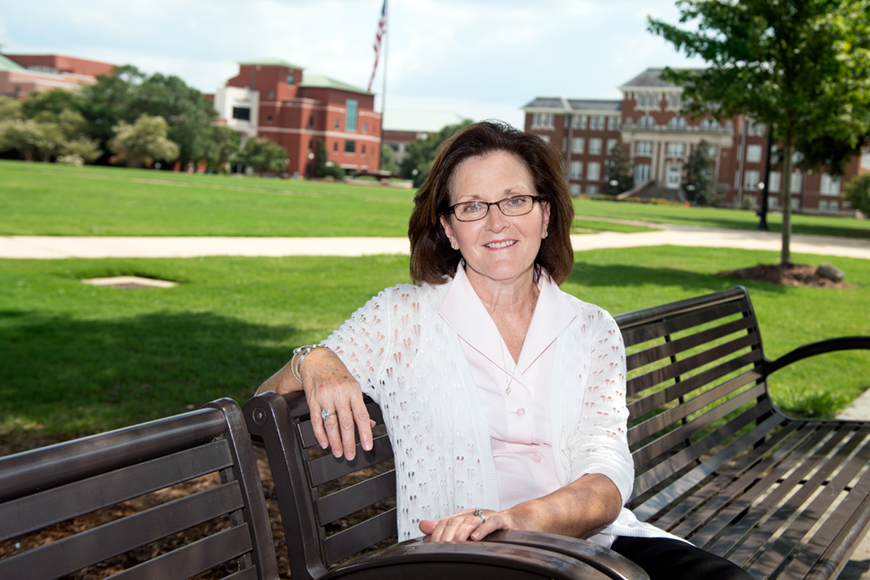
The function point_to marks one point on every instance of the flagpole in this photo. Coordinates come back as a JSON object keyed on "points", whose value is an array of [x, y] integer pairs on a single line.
{"points": [[384, 93]]}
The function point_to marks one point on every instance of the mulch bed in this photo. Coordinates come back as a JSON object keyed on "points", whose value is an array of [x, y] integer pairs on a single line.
{"points": [[794, 275]]}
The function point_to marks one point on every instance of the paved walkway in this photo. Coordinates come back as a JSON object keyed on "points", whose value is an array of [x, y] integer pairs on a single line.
{"points": [[52, 247]]}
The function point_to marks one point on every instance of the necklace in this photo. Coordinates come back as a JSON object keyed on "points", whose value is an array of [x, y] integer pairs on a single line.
{"points": [[510, 376]]}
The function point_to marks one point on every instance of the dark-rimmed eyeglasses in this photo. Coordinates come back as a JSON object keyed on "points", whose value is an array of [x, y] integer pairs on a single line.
{"points": [[471, 211]]}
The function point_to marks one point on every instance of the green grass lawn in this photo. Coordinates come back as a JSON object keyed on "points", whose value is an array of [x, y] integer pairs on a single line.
{"points": [[79, 359], [51, 199]]}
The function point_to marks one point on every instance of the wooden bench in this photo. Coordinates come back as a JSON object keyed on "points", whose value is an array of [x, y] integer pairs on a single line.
{"points": [[716, 463], [118, 470]]}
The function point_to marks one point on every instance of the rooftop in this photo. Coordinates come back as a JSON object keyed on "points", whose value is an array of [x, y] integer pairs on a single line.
{"points": [[325, 82], [564, 104], [8, 64], [269, 61]]}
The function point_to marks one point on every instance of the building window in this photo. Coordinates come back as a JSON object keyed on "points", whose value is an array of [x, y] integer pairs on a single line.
{"points": [[646, 121], [760, 129], [595, 146], [290, 80], [269, 119], [677, 123], [795, 203], [613, 123], [773, 202], [597, 122], [865, 160], [580, 121], [350, 147], [364, 149], [830, 184], [674, 101], [574, 188], [797, 182], [311, 120], [365, 127], [611, 143], [750, 180], [337, 123], [775, 181], [592, 189], [753, 153], [335, 146], [835, 205], [544, 120], [242, 113], [352, 109], [676, 149], [576, 169], [710, 124], [641, 172], [673, 179], [643, 148], [823, 205], [593, 171], [577, 145], [271, 94]]}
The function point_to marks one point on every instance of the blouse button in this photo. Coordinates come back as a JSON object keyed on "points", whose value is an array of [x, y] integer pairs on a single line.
{"points": [[537, 458], [521, 412]]}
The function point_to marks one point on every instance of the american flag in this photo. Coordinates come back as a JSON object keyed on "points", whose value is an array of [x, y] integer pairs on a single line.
{"points": [[382, 30]]}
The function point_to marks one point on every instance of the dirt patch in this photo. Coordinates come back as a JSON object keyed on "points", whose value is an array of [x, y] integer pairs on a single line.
{"points": [[794, 275]]}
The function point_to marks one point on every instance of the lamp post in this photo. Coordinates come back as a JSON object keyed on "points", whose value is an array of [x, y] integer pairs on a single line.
{"points": [[762, 211]]}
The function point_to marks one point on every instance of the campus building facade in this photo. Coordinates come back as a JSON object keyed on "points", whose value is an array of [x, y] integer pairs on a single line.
{"points": [[276, 99], [22, 74], [660, 139]]}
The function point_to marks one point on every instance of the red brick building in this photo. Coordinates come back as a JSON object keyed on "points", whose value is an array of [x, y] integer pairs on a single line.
{"points": [[22, 74], [648, 120], [276, 99]]}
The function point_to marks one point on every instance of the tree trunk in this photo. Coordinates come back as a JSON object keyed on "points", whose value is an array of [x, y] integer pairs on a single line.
{"points": [[785, 257]]}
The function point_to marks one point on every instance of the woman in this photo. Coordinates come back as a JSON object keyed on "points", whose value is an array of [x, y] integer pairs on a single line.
{"points": [[503, 396]]}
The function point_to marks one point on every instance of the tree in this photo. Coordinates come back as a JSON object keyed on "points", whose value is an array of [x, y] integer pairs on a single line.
{"points": [[109, 101], [54, 101], [10, 108], [143, 142], [30, 138], [698, 175], [857, 193], [262, 155], [388, 160], [224, 147], [799, 66], [320, 158], [618, 169], [421, 153]]}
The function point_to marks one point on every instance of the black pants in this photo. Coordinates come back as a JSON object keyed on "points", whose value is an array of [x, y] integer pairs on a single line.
{"points": [[667, 559]]}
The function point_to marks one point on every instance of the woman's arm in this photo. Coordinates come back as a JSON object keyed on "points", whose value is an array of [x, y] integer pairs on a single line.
{"points": [[328, 385], [575, 510]]}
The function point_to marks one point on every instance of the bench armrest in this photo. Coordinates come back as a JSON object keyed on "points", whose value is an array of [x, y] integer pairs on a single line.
{"points": [[815, 348]]}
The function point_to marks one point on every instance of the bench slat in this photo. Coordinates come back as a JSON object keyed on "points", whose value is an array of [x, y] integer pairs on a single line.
{"points": [[95, 545], [686, 343], [633, 335], [36, 511], [196, 557], [688, 364], [351, 499], [328, 468], [352, 540]]}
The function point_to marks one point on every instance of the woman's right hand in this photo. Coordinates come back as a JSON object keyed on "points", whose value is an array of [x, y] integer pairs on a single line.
{"points": [[328, 385]]}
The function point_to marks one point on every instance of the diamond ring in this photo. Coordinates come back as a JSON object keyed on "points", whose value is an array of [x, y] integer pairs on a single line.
{"points": [[479, 513], [325, 414]]}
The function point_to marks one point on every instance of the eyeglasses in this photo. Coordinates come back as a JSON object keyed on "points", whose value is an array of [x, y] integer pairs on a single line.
{"points": [[471, 211]]}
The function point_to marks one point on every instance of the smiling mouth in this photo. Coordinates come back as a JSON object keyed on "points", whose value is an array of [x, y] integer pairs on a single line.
{"points": [[499, 245]]}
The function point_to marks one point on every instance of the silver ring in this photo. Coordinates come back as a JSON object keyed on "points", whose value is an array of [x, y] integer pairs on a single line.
{"points": [[325, 414], [479, 513]]}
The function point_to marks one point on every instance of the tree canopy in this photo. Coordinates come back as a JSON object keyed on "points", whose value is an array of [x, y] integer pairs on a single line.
{"points": [[142, 142], [618, 169], [698, 180], [799, 66]]}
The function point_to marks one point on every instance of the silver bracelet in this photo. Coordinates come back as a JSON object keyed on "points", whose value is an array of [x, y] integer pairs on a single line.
{"points": [[301, 351]]}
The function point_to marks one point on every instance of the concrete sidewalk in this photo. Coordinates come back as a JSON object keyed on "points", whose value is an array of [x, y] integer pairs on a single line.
{"points": [[54, 247]]}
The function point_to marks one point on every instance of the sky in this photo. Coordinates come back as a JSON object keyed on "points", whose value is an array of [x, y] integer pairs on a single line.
{"points": [[481, 59]]}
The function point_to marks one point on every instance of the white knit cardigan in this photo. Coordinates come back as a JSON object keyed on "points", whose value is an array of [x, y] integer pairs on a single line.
{"points": [[412, 364]]}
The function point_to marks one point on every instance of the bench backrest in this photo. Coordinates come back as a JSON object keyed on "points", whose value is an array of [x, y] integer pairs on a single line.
{"points": [[693, 368], [131, 471], [695, 386]]}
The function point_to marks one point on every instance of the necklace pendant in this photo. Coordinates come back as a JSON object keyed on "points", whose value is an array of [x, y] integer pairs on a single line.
{"points": [[507, 391]]}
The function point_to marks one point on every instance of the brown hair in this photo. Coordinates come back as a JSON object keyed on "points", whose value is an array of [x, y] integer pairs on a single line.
{"points": [[432, 258]]}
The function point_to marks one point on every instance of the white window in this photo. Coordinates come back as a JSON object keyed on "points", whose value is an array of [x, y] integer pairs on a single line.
{"points": [[830, 184], [775, 181], [574, 188], [544, 120], [613, 123], [595, 146], [710, 124], [823, 205], [577, 144], [753, 153], [677, 123], [760, 129], [797, 181], [835, 205], [593, 171], [592, 189], [611, 143], [597, 122], [676, 149], [865, 160], [576, 169], [750, 180], [641, 172], [646, 121], [795, 202], [580, 121], [797, 157], [643, 148], [673, 181], [772, 202], [674, 101]]}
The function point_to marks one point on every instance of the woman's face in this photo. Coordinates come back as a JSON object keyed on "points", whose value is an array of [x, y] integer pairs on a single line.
{"points": [[497, 249]]}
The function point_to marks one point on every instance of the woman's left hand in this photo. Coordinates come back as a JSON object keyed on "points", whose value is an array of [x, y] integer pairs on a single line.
{"points": [[466, 525]]}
